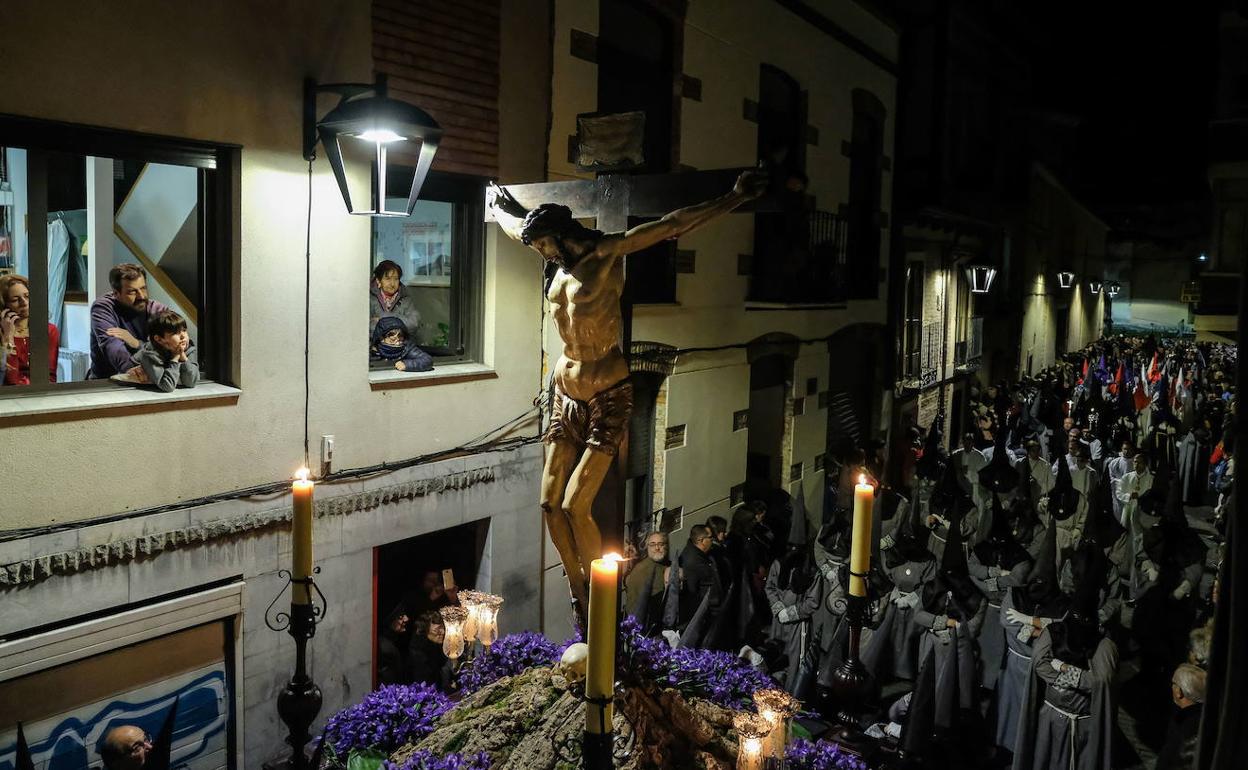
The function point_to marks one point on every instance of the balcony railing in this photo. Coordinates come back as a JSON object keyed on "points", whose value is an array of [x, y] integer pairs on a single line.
{"points": [[969, 351], [799, 257]]}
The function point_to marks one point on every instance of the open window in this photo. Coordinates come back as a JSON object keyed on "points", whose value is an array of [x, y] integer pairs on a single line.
{"points": [[438, 255], [115, 226]]}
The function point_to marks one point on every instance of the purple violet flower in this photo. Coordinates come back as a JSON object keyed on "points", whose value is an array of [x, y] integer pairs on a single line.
{"points": [[427, 760], [821, 755], [510, 655], [387, 718]]}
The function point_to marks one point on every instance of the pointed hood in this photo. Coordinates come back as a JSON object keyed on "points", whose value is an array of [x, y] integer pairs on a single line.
{"points": [[1063, 499], [999, 476], [22, 759], [916, 736], [948, 489], [1153, 500], [1000, 547], [798, 534], [1041, 594], [931, 463]]}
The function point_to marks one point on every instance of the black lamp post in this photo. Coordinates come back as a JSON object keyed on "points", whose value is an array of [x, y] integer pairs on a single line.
{"points": [[365, 130], [853, 686]]}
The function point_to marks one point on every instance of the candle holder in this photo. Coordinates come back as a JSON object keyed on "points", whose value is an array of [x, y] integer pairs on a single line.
{"points": [[453, 620], [300, 700], [853, 687], [752, 732], [487, 619], [776, 708], [471, 601]]}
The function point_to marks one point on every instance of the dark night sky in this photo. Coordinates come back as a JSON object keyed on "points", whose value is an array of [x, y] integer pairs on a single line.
{"points": [[1141, 78]]}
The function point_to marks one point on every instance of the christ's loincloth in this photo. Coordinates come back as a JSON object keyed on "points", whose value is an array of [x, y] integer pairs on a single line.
{"points": [[597, 424]]}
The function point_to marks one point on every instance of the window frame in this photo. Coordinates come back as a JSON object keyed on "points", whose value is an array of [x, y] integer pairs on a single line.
{"points": [[219, 219], [466, 194]]}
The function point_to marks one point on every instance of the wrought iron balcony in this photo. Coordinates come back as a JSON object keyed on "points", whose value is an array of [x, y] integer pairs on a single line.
{"points": [[799, 257]]}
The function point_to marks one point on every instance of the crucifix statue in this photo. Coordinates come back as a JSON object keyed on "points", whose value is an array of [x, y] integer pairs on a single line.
{"points": [[592, 393]]}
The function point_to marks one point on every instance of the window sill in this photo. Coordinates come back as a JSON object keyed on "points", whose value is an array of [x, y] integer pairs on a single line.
{"points": [[117, 398], [752, 305], [441, 375]]}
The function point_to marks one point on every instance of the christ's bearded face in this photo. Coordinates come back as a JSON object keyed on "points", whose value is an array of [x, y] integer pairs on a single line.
{"points": [[562, 252]]}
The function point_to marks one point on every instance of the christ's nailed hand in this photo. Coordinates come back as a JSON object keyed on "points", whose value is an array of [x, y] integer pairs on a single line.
{"points": [[751, 184]]}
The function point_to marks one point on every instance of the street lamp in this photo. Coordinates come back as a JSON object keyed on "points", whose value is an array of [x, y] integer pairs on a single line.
{"points": [[980, 278], [1112, 288], [1094, 285], [365, 130], [1065, 279]]}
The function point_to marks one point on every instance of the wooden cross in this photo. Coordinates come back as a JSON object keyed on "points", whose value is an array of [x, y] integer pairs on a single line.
{"points": [[611, 200]]}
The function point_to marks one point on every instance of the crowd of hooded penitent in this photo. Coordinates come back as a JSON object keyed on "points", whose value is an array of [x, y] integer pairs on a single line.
{"points": [[1024, 587]]}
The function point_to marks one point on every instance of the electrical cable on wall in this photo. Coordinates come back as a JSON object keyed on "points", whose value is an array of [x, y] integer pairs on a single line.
{"points": [[307, 322]]}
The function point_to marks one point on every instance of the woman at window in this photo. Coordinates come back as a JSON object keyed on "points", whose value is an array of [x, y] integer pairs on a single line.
{"points": [[15, 332], [389, 297]]}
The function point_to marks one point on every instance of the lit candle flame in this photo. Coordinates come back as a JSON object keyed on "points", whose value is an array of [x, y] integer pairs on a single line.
{"points": [[613, 556], [302, 474], [862, 479]]}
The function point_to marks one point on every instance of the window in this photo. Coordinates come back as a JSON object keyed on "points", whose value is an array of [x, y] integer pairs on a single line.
{"points": [[637, 73], [799, 254], [438, 250], [104, 200], [866, 169], [912, 323]]}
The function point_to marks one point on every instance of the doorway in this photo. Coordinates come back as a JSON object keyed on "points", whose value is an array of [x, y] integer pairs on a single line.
{"points": [[771, 381]]}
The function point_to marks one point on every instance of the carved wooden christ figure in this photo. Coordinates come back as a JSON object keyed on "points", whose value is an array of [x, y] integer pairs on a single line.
{"points": [[593, 395]]}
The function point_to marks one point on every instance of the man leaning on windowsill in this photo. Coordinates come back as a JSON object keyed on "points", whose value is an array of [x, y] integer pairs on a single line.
{"points": [[119, 321]]}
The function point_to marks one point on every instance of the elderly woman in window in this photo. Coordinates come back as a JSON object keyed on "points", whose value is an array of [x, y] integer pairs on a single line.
{"points": [[388, 297], [15, 332]]}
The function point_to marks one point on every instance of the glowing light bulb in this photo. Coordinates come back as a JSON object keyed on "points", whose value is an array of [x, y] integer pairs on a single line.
{"points": [[380, 136]]}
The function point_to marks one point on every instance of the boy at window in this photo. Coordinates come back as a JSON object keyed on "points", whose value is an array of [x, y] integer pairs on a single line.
{"points": [[168, 359], [120, 320], [393, 346]]}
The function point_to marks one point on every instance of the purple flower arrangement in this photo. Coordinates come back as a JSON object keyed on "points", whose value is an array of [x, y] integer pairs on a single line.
{"points": [[427, 760], [719, 677], [821, 755], [386, 719], [508, 656]]}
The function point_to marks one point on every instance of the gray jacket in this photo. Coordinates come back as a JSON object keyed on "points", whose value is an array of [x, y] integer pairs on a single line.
{"points": [[165, 374]]}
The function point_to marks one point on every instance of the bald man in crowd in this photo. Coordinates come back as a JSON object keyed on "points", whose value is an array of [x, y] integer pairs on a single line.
{"points": [[125, 748]]}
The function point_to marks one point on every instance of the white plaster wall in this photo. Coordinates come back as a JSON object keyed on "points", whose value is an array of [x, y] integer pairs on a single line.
{"points": [[232, 72], [341, 653], [701, 474]]}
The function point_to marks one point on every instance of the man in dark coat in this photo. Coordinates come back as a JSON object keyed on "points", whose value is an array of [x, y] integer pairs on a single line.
{"points": [[1187, 688], [700, 578]]}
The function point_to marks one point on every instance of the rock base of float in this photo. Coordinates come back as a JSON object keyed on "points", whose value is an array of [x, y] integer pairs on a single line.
{"points": [[534, 721]]}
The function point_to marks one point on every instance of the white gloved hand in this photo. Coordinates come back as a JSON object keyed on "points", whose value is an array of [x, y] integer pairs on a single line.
{"points": [[1014, 616], [776, 607], [672, 638], [787, 615], [1057, 665], [1183, 590], [1150, 571], [995, 571], [1044, 622]]}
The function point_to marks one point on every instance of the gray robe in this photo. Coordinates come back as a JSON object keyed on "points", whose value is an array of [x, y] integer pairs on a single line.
{"points": [[1067, 721], [991, 637], [892, 649], [956, 680], [793, 631], [828, 623]]}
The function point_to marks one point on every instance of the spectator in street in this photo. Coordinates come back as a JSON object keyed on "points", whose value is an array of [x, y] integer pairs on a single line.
{"points": [[429, 595], [1187, 689], [646, 581], [700, 576], [719, 528], [125, 747], [119, 321], [392, 649], [15, 332], [425, 657]]}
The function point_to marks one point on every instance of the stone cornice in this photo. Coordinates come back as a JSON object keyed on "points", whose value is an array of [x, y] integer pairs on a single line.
{"points": [[127, 549]]}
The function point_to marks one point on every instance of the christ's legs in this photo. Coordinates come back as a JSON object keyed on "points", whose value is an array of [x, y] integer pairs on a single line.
{"points": [[561, 456], [579, 502]]}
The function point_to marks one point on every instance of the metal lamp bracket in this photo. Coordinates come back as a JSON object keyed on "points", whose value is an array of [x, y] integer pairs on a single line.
{"points": [[347, 91]]}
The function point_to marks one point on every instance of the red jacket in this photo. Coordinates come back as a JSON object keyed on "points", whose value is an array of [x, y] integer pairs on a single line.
{"points": [[17, 365]]}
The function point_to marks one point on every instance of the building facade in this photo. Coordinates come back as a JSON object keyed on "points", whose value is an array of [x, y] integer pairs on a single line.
{"points": [[140, 526]]}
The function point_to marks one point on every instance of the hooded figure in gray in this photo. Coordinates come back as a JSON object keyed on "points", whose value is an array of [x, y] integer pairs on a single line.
{"points": [[1068, 713]]}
